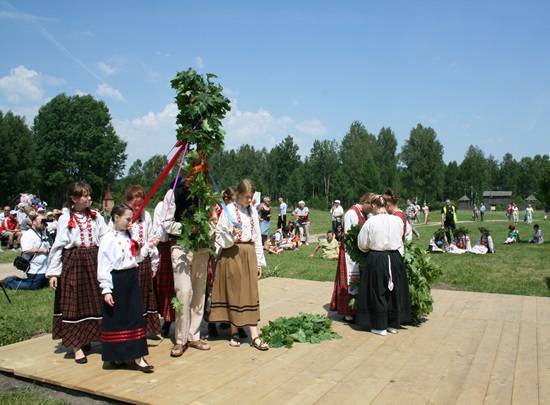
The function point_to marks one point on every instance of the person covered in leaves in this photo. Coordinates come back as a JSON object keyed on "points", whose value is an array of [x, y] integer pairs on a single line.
{"points": [[461, 242], [347, 271], [189, 266], [235, 295], [383, 302], [484, 244]]}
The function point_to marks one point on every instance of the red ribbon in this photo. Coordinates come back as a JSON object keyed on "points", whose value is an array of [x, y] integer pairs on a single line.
{"points": [[161, 178]]}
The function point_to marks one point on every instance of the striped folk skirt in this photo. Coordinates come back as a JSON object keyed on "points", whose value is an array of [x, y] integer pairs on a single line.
{"points": [[123, 334], [78, 304], [164, 281], [340, 295], [150, 313], [235, 296]]}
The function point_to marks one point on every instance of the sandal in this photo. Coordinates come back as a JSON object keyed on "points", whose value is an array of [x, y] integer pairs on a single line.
{"points": [[197, 344], [235, 340], [178, 350], [260, 346]]}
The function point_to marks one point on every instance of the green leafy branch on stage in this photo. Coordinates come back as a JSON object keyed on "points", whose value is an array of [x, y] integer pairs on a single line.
{"points": [[306, 328], [420, 272], [202, 107]]}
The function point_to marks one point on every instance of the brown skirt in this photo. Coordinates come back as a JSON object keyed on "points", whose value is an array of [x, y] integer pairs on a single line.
{"points": [[235, 297]]}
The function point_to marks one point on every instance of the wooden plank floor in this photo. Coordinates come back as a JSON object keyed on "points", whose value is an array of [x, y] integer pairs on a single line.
{"points": [[475, 348]]}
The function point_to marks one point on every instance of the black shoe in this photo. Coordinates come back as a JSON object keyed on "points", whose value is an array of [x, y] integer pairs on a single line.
{"points": [[144, 369], [242, 333], [224, 325], [212, 331], [165, 329], [83, 360]]}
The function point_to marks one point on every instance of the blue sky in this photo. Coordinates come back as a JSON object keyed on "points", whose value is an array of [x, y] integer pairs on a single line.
{"points": [[477, 72]]}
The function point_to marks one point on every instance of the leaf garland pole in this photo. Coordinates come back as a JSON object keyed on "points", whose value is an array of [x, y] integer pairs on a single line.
{"points": [[202, 107], [421, 273]]}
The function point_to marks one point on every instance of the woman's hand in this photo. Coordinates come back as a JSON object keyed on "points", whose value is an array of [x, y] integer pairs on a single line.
{"points": [[259, 272], [53, 283], [108, 298]]}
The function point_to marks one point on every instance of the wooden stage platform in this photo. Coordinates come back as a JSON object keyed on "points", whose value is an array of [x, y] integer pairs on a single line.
{"points": [[475, 348]]}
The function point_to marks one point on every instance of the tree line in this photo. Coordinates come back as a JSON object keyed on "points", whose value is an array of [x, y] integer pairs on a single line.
{"points": [[72, 138]]}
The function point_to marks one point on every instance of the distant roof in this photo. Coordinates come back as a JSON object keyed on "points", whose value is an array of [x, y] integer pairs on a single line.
{"points": [[464, 198], [531, 198], [497, 194]]}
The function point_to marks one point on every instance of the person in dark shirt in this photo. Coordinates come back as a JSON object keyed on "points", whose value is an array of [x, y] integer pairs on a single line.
{"points": [[448, 217]]}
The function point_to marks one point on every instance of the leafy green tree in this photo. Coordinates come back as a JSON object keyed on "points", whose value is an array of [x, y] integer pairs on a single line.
{"points": [[492, 173], [473, 173], [386, 157], [282, 160], [509, 174], [76, 142], [17, 167], [422, 160], [295, 187], [452, 186], [356, 155], [529, 172], [324, 162], [543, 194]]}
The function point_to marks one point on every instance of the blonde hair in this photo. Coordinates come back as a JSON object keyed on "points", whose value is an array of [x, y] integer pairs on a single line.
{"points": [[378, 200]]}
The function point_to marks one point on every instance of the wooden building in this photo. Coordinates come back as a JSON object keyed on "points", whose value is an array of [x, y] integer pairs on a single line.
{"points": [[493, 198], [464, 203]]}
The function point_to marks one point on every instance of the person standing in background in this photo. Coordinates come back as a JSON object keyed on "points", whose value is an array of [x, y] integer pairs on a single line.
{"points": [[281, 219]]}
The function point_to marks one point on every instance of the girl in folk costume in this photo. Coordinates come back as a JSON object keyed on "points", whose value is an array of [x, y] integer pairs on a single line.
{"points": [[143, 232], [484, 244], [461, 243], [383, 301], [391, 207], [72, 271], [235, 297], [123, 335], [347, 271]]}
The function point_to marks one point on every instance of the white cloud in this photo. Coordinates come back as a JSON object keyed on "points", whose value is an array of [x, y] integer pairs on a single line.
{"points": [[148, 135], [311, 127], [155, 132], [26, 86], [105, 90], [199, 62], [105, 69]]}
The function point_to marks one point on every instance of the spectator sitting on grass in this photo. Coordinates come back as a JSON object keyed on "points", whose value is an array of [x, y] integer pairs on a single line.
{"points": [[329, 246], [538, 237], [513, 235], [272, 245], [461, 242], [484, 244], [438, 242]]}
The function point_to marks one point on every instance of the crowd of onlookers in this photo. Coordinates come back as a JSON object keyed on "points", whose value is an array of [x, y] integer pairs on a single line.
{"points": [[16, 220]]}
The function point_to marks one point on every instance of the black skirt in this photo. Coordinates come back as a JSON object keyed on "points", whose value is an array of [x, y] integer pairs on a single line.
{"points": [[123, 333], [377, 306]]}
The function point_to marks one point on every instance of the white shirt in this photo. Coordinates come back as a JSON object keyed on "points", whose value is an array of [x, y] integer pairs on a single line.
{"points": [[337, 213], [282, 209], [33, 240], [68, 238], [115, 253], [250, 231], [381, 232]]}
